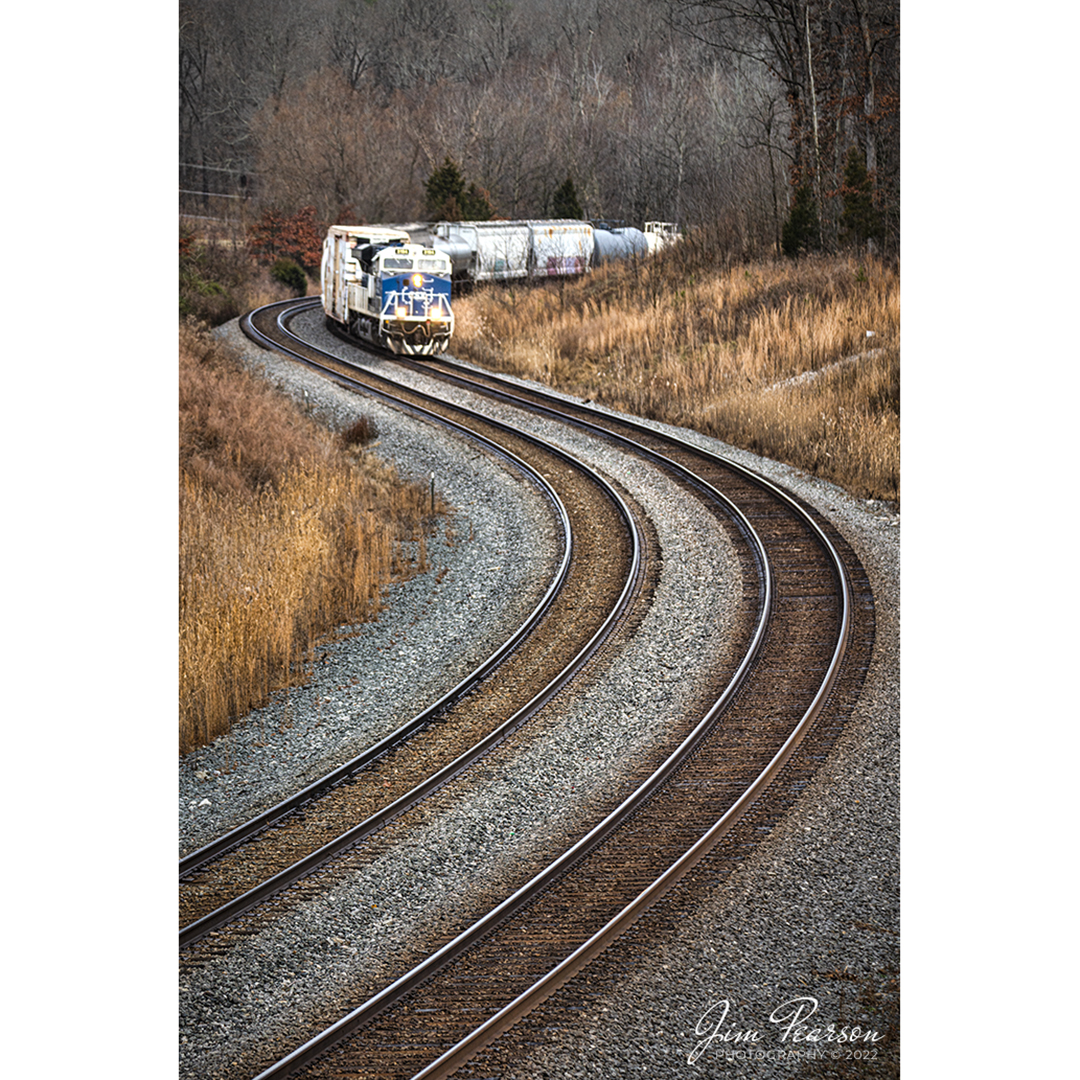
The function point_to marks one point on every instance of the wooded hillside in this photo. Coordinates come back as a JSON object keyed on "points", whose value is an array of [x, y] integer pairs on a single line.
{"points": [[694, 111]]}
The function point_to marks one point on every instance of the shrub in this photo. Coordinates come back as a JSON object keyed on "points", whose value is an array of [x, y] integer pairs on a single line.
{"points": [[219, 278], [208, 301], [289, 274], [299, 236], [361, 433], [212, 276]]}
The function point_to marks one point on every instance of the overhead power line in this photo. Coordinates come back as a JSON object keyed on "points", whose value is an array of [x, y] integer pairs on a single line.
{"points": [[216, 168], [209, 194]]}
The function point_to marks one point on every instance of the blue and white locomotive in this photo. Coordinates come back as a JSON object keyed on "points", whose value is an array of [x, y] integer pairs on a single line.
{"points": [[382, 288]]}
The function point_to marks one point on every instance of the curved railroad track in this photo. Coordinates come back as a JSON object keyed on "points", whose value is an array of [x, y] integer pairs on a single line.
{"points": [[738, 764], [600, 572]]}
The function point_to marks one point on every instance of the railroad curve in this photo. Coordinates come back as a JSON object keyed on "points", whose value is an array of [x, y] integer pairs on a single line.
{"points": [[600, 571], [756, 723]]}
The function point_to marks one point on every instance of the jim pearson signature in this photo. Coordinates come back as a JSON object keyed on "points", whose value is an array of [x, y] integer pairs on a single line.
{"points": [[791, 1020]]}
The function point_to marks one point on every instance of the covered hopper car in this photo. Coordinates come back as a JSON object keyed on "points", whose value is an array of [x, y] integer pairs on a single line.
{"points": [[519, 250], [512, 250], [618, 243]]}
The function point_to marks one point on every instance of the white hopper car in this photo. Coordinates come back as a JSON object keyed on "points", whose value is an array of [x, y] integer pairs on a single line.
{"points": [[511, 250]]}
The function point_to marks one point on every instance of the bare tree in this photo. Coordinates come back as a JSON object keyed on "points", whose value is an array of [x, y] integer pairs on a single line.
{"points": [[234, 56], [828, 56], [689, 110], [337, 149]]}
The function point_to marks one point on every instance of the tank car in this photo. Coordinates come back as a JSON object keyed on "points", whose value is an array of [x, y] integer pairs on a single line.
{"points": [[618, 242], [384, 289]]}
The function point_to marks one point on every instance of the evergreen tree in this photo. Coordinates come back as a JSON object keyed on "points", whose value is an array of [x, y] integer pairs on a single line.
{"points": [[565, 204], [476, 205], [860, 220], [801, 231], [449, 200], [444, 188]]}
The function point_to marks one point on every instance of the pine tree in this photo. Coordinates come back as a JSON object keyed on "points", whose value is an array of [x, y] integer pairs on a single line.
{"points": [[445, 187], [477, 206], [801, 231], [565, 203], [860, 220], [449, 200]]}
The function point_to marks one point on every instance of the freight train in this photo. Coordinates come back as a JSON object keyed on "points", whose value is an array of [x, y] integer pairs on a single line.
{"points": [[515, 250], [382, 287]]}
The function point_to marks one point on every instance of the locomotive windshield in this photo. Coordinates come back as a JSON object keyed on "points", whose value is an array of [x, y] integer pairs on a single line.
{"points": [[396, 262], [434, 266]]}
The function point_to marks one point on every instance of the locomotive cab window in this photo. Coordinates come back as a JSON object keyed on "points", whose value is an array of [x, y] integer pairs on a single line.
{"points": [[433, 266], [396, 262]]}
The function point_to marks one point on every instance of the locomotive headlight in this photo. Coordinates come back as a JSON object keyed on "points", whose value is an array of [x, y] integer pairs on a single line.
{"points": [[401, 312], [418, 281]]}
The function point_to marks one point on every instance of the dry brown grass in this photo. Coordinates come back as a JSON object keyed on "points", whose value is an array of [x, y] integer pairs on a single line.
{"points": [[679, 339], [285, 533]]}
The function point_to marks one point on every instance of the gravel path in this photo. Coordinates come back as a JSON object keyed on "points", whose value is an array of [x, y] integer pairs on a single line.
{"points": [[821, 894]]}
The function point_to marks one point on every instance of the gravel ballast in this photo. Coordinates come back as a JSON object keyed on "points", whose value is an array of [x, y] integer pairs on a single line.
{"points": [[501, 542], [820, 894]]}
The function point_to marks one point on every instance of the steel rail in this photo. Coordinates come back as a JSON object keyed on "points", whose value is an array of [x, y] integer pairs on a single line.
{"points": [[512, 392], [257, 824], [602, 939], [510, 1014], [429, 967], [505, 1018], [195, 931]]}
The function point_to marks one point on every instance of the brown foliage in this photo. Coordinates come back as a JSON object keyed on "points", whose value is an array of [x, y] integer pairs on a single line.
{"points": [[341, 148], [284, 534], [296, 236], [362, 432]]}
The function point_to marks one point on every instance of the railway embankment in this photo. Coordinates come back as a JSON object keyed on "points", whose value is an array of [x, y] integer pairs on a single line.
{"points": [[812, 913]]}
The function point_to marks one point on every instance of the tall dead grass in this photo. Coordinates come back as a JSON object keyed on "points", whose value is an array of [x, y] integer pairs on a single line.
{"points": [[285, 533], [719, 349]]}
